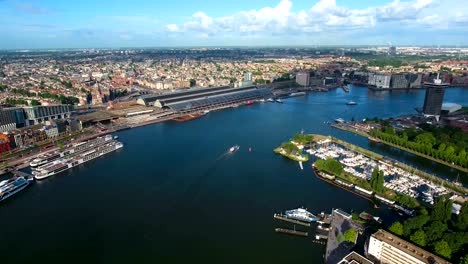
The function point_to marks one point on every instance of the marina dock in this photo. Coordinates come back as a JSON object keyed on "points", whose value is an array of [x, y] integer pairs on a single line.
{"points": [[291, 232], [285, 218]]}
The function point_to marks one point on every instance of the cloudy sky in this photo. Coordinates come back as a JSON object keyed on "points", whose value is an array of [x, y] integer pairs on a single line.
{"points": [[148, 23]]}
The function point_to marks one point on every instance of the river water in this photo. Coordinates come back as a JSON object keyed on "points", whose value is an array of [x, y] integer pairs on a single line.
{"points": [[172, 195]]}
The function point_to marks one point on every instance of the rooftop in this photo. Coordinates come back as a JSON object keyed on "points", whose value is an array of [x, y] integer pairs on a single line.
{"points": [[408, 247], [355, 258]]}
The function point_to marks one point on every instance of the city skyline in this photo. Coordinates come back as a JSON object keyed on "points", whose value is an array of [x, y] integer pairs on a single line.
{"points": [[56, 24]]}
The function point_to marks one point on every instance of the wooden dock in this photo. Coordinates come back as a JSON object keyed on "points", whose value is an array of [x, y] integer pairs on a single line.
{"points": [[285, 218], [291, 232]]}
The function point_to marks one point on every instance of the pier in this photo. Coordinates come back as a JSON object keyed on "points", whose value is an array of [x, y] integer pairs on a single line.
{"points": [[285, 218], [291, 232]]}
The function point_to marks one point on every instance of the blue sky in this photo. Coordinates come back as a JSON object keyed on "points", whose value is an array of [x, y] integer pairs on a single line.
{"points": [[149, 23]]}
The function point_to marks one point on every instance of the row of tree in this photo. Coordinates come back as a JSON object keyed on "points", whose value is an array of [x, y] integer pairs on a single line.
{"points": [[437, 231], [424, 143]]}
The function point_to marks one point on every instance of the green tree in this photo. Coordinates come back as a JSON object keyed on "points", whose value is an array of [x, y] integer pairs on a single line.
{"points": [[414, 223], [435, 231], [419, 238], [442, 210], [464, 260], [35, 102], [330, 165], [396, 228], [377, 180], [442, 248], [461, 222], [350, 235]]}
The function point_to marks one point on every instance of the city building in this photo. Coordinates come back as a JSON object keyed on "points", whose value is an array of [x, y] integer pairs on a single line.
{"points": [[379, 81], [392, 51], [303, 78], [355, 258], [39, 114], [399, 81], [11, 118], [434, 97], [248, 77], [28, 136], [388, 248]]}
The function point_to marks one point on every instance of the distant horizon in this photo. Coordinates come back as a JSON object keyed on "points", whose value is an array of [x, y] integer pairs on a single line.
{"points": [[235, 47], [54, 24]]}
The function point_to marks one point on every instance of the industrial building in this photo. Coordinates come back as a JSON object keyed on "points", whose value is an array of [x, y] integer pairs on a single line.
{"points": [[11, 118], [379, 81], [39, 114], [17, 117], [203, 98], [405, 81], [388, 248]]}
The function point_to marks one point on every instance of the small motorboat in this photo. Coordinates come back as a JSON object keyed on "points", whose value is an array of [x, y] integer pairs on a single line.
{"points": [[351, 103], [234, 149]]}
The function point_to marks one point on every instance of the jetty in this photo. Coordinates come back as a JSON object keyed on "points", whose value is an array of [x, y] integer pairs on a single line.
{"points": [[287, 219], [291, 232]]}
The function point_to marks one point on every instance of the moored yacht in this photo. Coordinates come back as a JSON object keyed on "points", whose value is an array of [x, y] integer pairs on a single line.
{"points": [[13, 186], [301, 214]]}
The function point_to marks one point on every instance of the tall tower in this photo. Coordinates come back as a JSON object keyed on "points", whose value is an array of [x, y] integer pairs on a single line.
{"points": [[434, 97]]}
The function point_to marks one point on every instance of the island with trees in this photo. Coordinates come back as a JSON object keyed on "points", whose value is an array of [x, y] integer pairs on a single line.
{"points": [[293, 149]]}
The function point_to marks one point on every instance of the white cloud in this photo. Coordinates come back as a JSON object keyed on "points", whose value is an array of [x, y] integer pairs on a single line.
{"points": [[324, 16]]}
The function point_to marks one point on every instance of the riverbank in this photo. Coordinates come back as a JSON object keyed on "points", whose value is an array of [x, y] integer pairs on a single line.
{"points": [[349, 128]]}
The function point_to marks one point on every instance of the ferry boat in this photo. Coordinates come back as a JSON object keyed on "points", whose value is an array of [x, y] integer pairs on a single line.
{"points": [[13, 186], [62, 165], [234, 148], [75, 149], [351, 103], [301, 214]]}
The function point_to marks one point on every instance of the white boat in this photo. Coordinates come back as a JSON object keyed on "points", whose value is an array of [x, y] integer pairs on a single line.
{"points": [[13, 186], [301, 214], [351, 103], [3, 182], [234, 148], [63, 164]]}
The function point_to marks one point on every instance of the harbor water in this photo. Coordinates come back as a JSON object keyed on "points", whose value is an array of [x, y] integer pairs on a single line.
{"points": [[174, 195]]}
